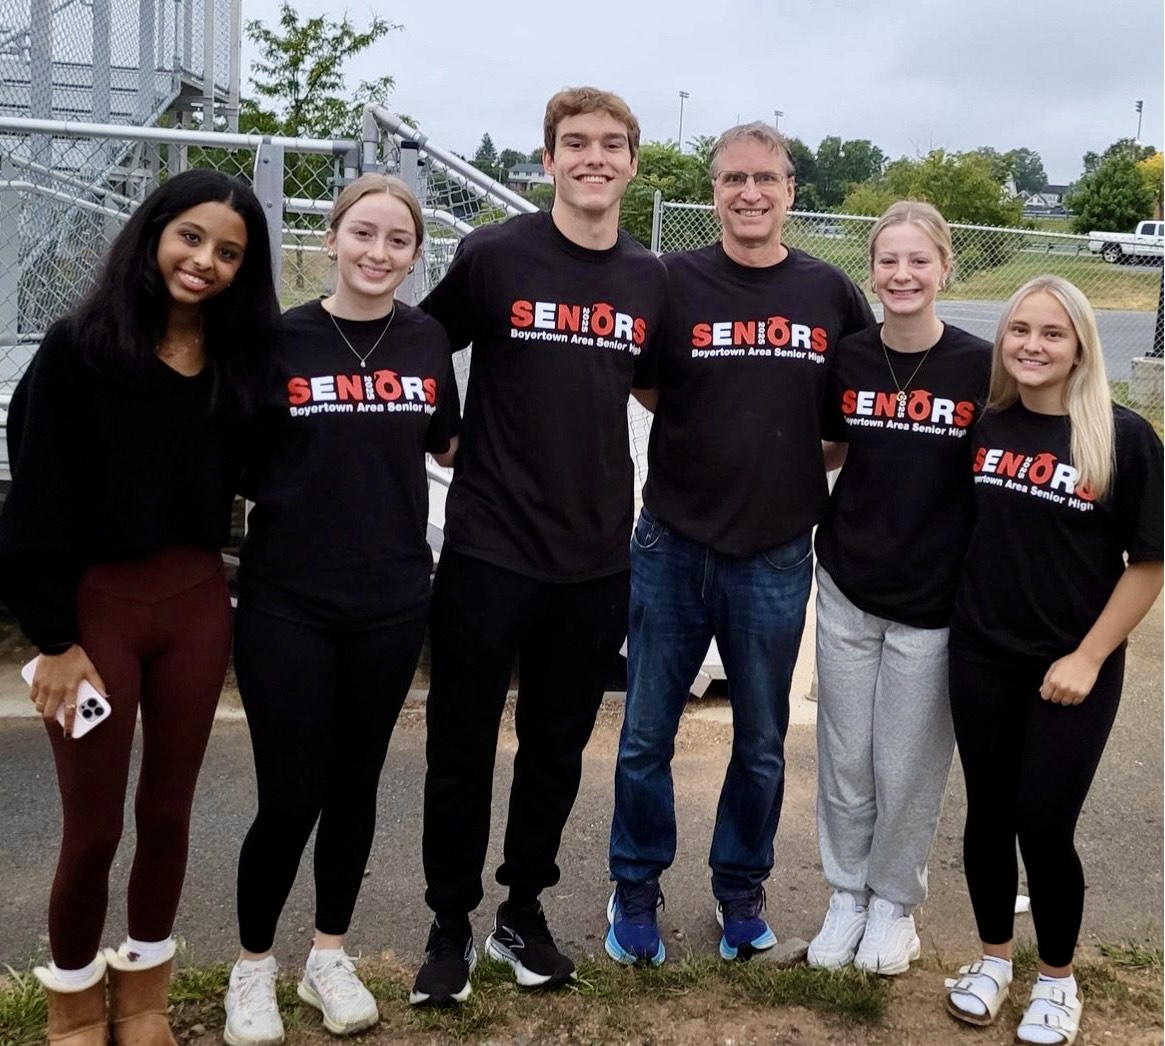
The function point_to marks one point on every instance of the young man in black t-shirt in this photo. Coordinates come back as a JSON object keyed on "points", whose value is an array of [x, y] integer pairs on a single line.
{"points": [[736, 481], [564, 313]]}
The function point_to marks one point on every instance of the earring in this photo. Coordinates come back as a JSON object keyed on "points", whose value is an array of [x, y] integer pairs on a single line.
{"points": [[411, 267], [331, 255]]}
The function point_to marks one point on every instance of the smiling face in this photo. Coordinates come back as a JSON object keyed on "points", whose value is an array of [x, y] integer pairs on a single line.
{"points": [[907, 269], [200, 251], [591, 164], [1039, 349], [752, 193], [374, 243]]}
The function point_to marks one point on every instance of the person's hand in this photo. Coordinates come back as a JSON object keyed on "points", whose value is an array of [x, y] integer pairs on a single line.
{"points": [[1071, 679], [57, 679]]}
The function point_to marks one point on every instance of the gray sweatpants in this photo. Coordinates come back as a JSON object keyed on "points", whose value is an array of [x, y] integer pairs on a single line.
{"points": [[884, 747]]}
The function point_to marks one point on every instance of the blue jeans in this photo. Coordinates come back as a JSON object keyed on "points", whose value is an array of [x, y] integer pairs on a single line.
{"points": [[682, 595]]}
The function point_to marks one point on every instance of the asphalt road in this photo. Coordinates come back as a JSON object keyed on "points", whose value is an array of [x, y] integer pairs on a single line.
{"points": [[1119, 838]]}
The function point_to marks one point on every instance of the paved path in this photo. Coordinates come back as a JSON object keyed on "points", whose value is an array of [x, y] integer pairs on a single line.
{"points": [[1120, 838]]}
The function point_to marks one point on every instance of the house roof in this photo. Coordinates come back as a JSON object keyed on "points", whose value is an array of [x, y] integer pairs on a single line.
{"points": [[527, 168]]}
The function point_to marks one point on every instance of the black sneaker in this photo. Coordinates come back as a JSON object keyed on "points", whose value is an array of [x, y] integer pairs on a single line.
{"points": [[522, 939], [449, 960]]}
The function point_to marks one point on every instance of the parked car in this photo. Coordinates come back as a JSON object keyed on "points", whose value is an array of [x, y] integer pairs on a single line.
{"points": [[1147, 242]]}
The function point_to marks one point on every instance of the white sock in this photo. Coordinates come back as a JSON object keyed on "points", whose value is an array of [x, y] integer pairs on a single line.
{"points": [[1000, 974], [73, 978], [149, 952], [322, 956], [1034, 1030]]}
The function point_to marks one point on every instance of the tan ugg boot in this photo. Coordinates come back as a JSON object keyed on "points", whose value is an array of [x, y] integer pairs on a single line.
{"points": [[76, 1015], [137, 1000]]}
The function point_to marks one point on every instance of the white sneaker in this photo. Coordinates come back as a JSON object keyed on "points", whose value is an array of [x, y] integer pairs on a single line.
{"points": [[845, 922], [330, 985], [890, 943], [252, 1014]]}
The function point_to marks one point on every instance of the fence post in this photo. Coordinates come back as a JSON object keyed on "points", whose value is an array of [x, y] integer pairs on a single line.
{"points": [[409, 172], [370, 145], [268, 184], [656, 220]]}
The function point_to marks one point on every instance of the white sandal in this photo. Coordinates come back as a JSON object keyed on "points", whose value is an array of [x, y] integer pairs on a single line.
{"points": [[1055, 1011], [987, 982]]}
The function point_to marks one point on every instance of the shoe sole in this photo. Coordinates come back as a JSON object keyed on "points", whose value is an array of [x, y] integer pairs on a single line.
{"points": [[525, 977], [236, 1040], [620, 954], [913, 953], [979, 1020], [309, 995], [417, 998], [747, 951]]}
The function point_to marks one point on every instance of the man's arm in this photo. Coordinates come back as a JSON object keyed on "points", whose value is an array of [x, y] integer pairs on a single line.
{"points": [[648, 398]]}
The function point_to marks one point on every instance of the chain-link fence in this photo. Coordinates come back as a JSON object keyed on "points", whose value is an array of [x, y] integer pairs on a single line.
{"points": [[65, 196], [118, 61], [990, 264]]}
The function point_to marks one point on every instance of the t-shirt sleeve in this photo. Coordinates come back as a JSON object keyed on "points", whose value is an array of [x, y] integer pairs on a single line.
{"points": [[39, 556], [859, 315], [451, 302], [1139, 488], [446, 421]]}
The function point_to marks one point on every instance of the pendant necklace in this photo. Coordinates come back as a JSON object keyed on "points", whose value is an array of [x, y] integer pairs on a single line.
{"points": [[363, 359], [902, 389]]}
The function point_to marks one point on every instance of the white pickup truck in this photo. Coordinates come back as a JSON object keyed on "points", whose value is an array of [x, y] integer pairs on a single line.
{"points": [[1147, 242]]}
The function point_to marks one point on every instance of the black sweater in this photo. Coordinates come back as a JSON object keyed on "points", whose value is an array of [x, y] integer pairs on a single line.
{"points": [[101, 472]]}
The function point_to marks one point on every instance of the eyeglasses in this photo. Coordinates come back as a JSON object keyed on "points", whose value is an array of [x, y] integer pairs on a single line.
{"points": [[761, 179]]}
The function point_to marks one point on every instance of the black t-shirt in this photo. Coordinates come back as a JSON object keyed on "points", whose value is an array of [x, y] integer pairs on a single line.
{"points": [[543, 481], [1044, 558], [900, 515], [734, 458], [338, 535], [102, 471]]}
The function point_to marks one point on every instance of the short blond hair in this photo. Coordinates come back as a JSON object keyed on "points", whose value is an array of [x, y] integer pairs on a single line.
{"points": [[577, 101], [367, 184], [757, 131], [927, 217]]}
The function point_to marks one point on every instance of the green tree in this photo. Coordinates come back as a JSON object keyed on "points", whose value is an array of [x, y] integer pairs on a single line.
{"points": [[486, 156], [300, 74], [678, 176], [805, 164], [507, 158], [1112, 197], [1027, 169], [1126, 148], [1152, 170], [841, 165]]}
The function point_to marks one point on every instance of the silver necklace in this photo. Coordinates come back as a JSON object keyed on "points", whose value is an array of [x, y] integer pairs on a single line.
{"points": [[375, 344], [902, 389]]}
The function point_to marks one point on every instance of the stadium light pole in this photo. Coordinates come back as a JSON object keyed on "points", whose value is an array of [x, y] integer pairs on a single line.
{"points": [[1139, 106], [680, 133], [777, 114]]}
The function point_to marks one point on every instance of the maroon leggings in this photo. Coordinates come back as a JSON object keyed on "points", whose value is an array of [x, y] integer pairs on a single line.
{"points": [[158, 629]]}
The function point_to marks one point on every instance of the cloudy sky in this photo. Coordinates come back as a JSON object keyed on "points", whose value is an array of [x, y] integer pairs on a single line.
{"points": [[1059, 77]]}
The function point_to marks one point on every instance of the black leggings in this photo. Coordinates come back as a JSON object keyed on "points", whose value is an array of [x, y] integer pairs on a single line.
{"points": [[565, 638], [1028, 765], [158, 629], [321, 705]]}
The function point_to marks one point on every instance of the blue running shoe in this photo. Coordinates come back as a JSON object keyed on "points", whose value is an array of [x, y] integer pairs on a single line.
{"points": [[634, 933], [745, 930]]}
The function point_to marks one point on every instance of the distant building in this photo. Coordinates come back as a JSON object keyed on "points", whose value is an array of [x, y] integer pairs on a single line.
{"points": [[523, 176], [1047, 203]]}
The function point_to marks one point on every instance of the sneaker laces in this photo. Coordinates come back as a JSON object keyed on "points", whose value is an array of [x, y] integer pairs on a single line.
{"points": [[640, 901], [338, 977], [748, 906], [256, 988], [444, 943]]}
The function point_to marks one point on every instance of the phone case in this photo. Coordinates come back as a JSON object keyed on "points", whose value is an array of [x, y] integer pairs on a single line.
{"points": [[92, 708]]}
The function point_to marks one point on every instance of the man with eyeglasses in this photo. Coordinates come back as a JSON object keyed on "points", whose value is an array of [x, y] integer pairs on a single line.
{"points": [[722, 549]]}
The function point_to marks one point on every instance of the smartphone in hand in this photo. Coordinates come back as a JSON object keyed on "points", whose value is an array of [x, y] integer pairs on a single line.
{"points": [[92, 708]]}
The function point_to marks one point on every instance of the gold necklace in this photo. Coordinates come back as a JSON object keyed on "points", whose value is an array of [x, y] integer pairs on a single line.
{"points": [[902, 389], [362, 359]]}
